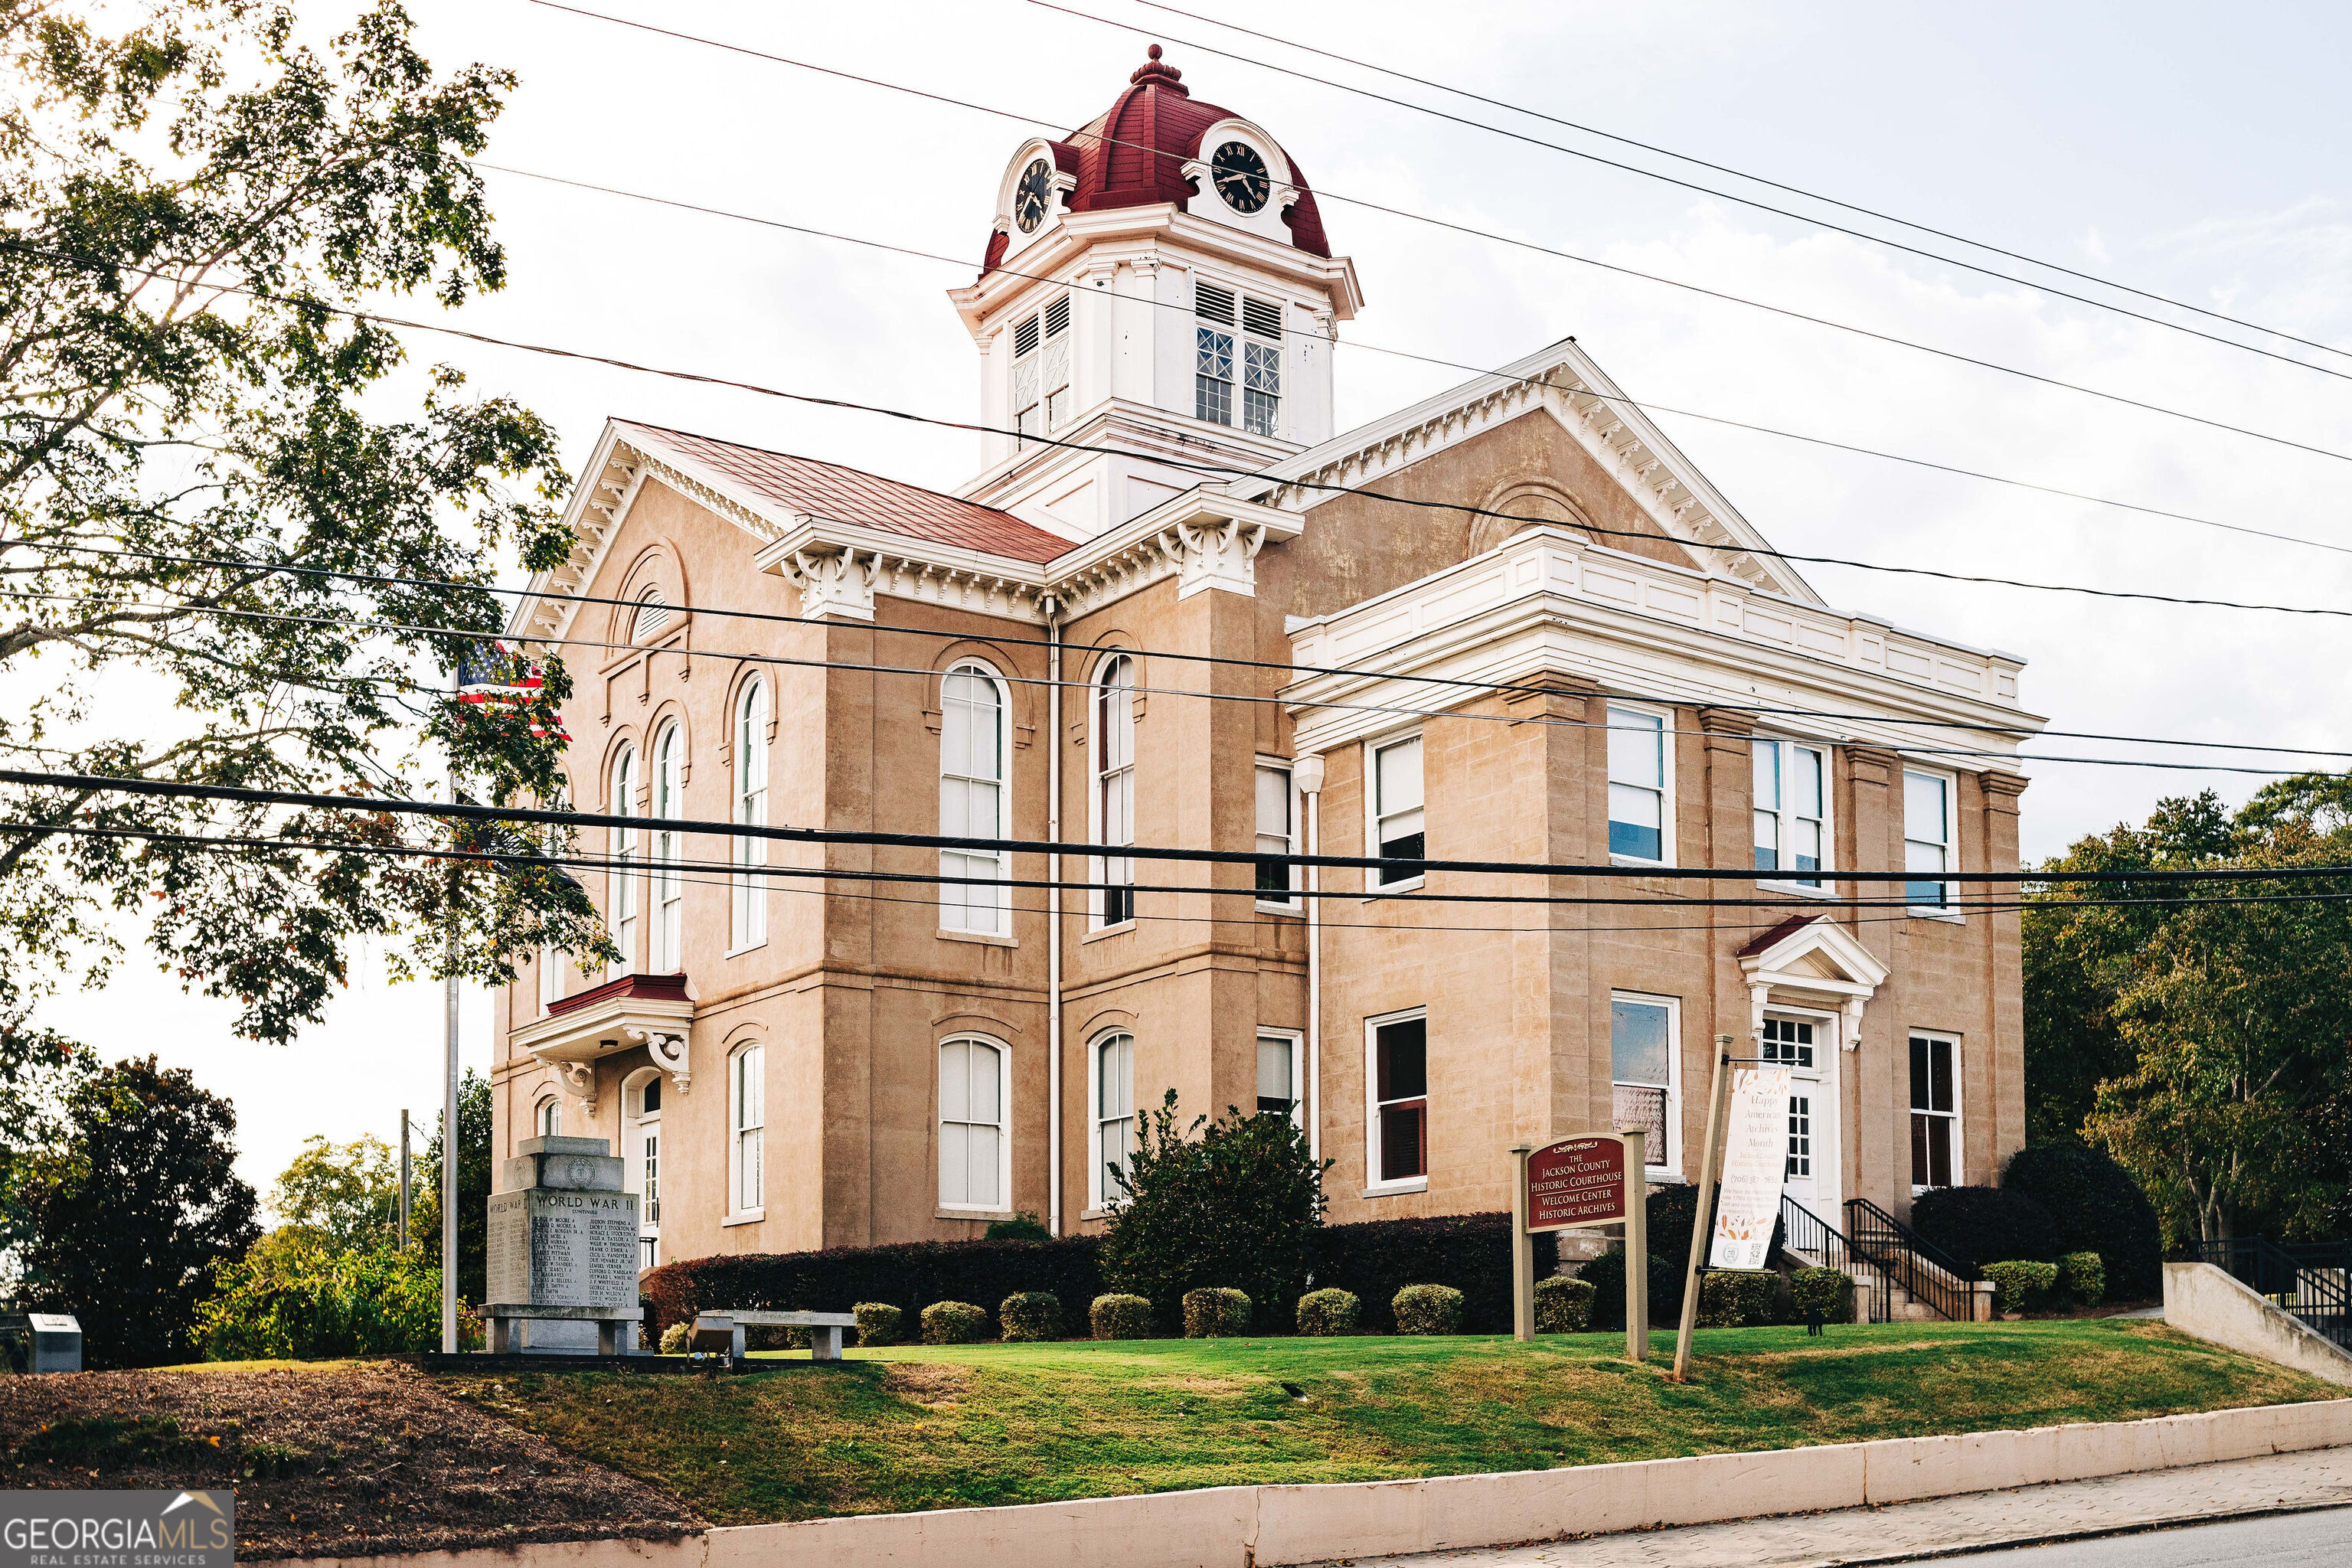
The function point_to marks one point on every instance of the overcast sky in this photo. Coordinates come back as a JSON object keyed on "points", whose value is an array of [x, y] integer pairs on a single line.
{"points": [[2161, 146]]}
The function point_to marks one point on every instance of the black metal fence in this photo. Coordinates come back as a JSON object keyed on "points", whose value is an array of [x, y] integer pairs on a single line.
{"points": [[2311, 1279], [1802, 1230], [1933, 1278]]}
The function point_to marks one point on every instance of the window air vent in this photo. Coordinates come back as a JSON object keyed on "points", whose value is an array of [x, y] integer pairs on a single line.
{"points": [[1213, 303], [1025, 337], [1057, 317], [653, 615], [1262, 317]]}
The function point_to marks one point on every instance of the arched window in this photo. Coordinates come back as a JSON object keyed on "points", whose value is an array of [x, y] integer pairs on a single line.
{"points": [[669, 887], [750, 914], [642, 1171], [973, 798], [653, 615], [547, 1121], [747, 1118], [972, 1143], [1111, 1129], [622, 892], [1113, 806]]}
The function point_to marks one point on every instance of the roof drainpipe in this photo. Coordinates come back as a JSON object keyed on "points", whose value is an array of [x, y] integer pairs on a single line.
{"points": [[1053, 915], [1306, 773]]}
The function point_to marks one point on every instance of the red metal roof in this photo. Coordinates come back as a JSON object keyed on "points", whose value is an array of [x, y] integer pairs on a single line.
{"points": [[836, 494], [1133, 154], [645, 987], [1777, 935]]}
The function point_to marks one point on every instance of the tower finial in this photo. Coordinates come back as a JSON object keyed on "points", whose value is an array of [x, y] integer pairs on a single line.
{"points": [[1153, 71]]}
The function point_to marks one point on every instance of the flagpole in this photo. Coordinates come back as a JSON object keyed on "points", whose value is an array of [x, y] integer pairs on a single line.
{"points": [[449, 1088]]}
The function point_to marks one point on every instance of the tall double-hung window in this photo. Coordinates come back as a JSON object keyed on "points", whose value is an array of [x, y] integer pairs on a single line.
{"points": [[1114, 802], [1112, 1127], [749, 911], [1398, 820], [623, 889], [1277, 834], [973, 798], [972, 1125], [1792, 811], [747, 1117], [1041, 369], [668, 954], [1928, 839], [1643, 1041], [1638, 797], [1399, 1131], [1934, 1111], [1226, 361]]}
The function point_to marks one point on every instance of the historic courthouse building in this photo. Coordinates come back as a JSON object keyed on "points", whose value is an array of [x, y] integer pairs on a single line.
{"points": [[1177, 608]]}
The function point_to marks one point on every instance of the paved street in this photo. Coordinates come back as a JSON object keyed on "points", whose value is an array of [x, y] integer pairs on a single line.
{"points": [[2321, 1480]]}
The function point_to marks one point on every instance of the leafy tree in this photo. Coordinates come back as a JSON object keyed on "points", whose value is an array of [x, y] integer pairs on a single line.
{"points": [[345, 1196], [473, 1191], [130, 1221], [192, 426], [297, 1294], [1233, 1203]]}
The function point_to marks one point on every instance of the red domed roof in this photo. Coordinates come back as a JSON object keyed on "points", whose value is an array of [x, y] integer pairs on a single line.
{"points": [[1133, 154]]}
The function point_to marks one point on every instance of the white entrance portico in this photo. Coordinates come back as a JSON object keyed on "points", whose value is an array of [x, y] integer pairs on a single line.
{"points": [[1808, 982]]}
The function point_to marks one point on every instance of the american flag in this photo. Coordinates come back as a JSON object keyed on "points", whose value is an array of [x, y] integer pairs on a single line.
{"points": [[495, 674]]}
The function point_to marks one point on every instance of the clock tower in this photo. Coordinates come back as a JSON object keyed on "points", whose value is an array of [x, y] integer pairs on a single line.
{"points": [[1156, 309]]}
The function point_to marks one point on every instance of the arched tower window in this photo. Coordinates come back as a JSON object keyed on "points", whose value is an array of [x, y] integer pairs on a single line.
{"points": [[669, 887], [1114, 791], [749, 912], [973, 797], [622, 891]]}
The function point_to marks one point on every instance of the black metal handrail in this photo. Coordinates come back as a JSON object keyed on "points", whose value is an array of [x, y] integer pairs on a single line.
{"points": [[1932, 1277], [1802, 1230], [2311, 1279]]}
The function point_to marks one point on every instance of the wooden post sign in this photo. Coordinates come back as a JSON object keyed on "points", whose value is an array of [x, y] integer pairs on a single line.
{"points": [[1593, 1180]]}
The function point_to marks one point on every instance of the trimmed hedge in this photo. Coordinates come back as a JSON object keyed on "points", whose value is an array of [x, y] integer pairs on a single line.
{"points": [[1607, 1273], [878, 1323], [2023, 1285], [2098, 1207], [1217, 1312], [1736, 1297], [1563, 1306], [1427, 1309], [909, 1276], [1830, 1289], [2084, 1276], [1979, 1224], [1375, 1259], [1030, 1315], [1324, 1314], [954, 1323], [1120, 1318]]}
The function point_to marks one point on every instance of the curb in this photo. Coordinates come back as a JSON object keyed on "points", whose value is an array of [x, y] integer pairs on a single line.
{"points": [[2058, 1538]]}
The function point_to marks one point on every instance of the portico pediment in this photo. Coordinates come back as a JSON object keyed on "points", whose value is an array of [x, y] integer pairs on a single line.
{"points": [[1810, 958]]}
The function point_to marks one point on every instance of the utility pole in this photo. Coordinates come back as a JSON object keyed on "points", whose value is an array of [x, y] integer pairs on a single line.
{"points": [[404, 1170], [449, 1088]]}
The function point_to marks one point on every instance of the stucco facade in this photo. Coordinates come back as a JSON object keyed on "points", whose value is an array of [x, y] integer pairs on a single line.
{"points": [[1601, 662]]}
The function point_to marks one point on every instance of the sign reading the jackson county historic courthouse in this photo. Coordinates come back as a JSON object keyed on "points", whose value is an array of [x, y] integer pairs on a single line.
{"points": [[1576, 1180], [44, 1528], [563, 1234]]}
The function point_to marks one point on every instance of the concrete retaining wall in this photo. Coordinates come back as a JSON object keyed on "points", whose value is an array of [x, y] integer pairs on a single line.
{"points": [[1269, 1526], [2209, 1303]]}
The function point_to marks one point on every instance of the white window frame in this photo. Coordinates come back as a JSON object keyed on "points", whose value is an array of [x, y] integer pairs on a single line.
{"points": [[550, 980], [646, 1158], [1293, 904], [1042, 378], [1373, 814], [1373, 1185], [1107, 867], [665, 934], [1671, 1169], [547, 1117], [959, 903], [1666, 718], [1959, 1104], [652, 616], [1098, 1195], [1003, 1123], [747, 1152], [1294, 1042], [625, 891], [748, 900], [1951, 845], [1821, 884]]}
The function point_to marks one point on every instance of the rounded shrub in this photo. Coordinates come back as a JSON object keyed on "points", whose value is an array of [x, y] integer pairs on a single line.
{"points": [[1563, 1306], [1427, 1309], [879, 1322], [2083, 1276], [2098, 1207], [1736, 1297], [1830, 1289], [2022, 1285], [1978, 1224], [1030, 1315], [1324, 1314], [674, 1338], [954, 1323], [1023, 1226], [1120, 1318], [1217, 1312], [1606, 1274]]}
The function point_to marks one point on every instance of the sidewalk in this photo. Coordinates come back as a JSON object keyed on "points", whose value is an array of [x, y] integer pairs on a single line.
{"points": [[1903, 1531]]}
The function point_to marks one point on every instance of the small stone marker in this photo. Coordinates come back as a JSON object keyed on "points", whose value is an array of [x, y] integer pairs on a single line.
{"points": [[562, 1234]]}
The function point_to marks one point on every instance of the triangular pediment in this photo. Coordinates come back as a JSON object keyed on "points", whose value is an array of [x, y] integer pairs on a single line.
{"points": [[1812, 948]]}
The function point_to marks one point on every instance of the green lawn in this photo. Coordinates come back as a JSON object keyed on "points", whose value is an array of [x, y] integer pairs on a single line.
{"points": [[971, 1426]]}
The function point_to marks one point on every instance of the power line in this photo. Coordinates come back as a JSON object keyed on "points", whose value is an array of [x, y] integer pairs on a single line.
{"points": [[1358, 345], [1454, 683], [1821, 223], [1742, 175], [1497, 237]]}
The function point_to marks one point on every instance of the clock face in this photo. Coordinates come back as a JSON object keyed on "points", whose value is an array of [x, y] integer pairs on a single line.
{"points": [[1032, 196], [1240, 177]]}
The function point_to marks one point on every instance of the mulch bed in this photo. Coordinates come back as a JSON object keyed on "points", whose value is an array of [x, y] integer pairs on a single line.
{"points": [[330, 1461]]}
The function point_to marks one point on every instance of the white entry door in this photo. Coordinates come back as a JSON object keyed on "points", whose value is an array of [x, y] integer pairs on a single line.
{"points": [[1802, 1044], [641, 1168]]}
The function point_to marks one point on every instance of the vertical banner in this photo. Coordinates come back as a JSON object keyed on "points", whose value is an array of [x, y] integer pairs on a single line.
{"points": [[1755, 1163]]}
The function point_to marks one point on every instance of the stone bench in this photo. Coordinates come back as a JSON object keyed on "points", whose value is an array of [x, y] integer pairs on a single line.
{"points": [[615, 1326], [724, 1330]]}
